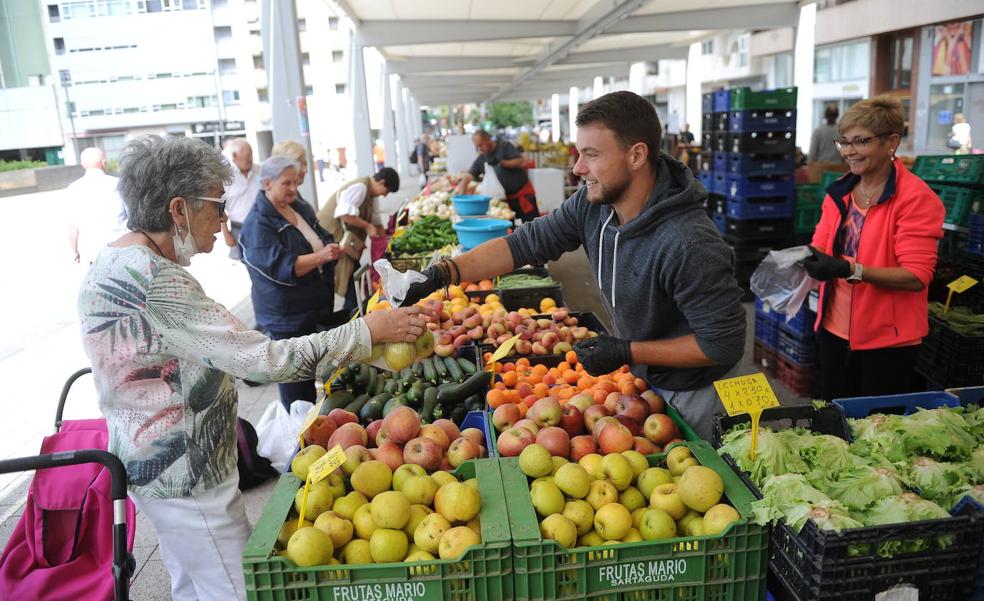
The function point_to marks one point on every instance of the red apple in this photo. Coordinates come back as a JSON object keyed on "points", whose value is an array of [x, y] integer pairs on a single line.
{"points": [[341, 416], [423, 452], [581, 446], [436, 433], [572, 421], [449, 428], [610, 402], [320, 431], [545, 412], [512, 442], [402, 424], [608, 419], [347, 435], [473, 434], [614, 438], [505, 416], [446, 465], [634, 427], [592, 414], [554, 439], [645, 447], [657, 404], [660, 429], [528, 424], [673, 441], [582, 401], [372, 431], [389, 453], [462, 450], [632, 407]]}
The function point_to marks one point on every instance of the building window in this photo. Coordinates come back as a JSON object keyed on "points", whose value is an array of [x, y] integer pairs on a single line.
{"points": [[258, 61], [308, 90], [223, 32], [230, 97], [900, 69], [305, 58], [841, 62], [59, 45], [54, 16], [743, 41], [227, 66], [945, 101], [262, 96], [302, 25], [707, 47], [339, 88], [333, 23], [337, 56], [65, 77], [154, 6]]}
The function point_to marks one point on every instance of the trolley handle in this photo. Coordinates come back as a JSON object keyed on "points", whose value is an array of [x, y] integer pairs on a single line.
{"points": [[64, 396]]}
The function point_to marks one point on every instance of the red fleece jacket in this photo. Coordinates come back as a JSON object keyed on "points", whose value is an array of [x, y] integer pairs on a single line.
{"points": [[902, 230]]}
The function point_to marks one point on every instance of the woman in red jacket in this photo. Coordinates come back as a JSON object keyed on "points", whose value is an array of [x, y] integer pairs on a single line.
{"points": [[874, 252]]}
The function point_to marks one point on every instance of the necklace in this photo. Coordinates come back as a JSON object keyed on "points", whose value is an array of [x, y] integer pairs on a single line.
{"points": [[867, 202], [146, 235]]}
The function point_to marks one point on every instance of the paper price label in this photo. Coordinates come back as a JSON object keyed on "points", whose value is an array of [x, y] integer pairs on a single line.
{"points": [[328, 463], [501, 352], [746, 394], [962, 283], [309, 419], [372, 301]]}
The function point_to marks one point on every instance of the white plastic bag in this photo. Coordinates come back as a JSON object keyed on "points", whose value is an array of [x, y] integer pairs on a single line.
{"points": [[395, 284], [781, 282], [277, 431], [490, 186]]}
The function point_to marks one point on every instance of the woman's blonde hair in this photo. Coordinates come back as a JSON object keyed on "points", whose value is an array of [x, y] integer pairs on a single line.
{"points": [[290, 149], [880, 114], [959, 118]]}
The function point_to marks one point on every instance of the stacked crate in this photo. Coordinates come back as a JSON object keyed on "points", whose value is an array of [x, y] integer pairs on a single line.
{"points": [[765, 355], [959, 182], [758, 158], [713, 158], [797, 352]]}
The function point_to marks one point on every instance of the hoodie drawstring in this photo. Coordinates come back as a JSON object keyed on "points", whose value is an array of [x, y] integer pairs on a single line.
{"points": [[601, 248]]}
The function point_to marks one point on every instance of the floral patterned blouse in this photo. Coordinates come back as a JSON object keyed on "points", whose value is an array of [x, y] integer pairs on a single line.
{"points": [[164, 356]]}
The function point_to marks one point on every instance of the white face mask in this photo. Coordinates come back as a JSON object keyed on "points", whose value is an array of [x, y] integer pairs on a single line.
{"points": [[184, 249]]}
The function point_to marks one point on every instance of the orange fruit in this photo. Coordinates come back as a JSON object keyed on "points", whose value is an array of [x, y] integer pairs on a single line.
{"points": [[508, 366], [585, 382], [529, 399], [571, 357], [570, 376], [563, 366], [599, 395], [495, 397], [540, 369], [524, 389], [606, 386], [627, 388], [641, 385], [522, 363], [510, 378], [541, 390], [549, 380]]}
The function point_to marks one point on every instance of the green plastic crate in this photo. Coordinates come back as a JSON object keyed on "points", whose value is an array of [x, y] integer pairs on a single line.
{"points": [[743, 99], [809, 194], [827, 178], [959, 202], [957, 170], [724, 567], [806, 214], [483, 573]]}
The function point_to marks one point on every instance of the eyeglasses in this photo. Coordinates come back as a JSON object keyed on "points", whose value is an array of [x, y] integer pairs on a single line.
{"points": [[218, 201], [856, 143]]}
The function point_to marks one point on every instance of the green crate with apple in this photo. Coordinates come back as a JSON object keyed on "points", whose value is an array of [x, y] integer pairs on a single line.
{"points": [[478, 567], [691, 539]]}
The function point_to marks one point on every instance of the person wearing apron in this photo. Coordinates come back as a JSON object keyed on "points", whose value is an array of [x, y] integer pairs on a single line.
{"points": [[510, 170]]}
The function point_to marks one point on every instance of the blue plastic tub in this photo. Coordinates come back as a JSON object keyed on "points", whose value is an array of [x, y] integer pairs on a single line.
{"points": [[722, 101], [800, 326], [472, 232], [471, 204]]}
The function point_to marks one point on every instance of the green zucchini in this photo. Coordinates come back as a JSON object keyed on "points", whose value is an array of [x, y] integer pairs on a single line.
{"points": [[373, 409], [337, 400], [405, 374], [356, 405], [441, 368], [430, 403], [416, 392], [454, 370], [418, 368], [372, 377], [430, 374], [361, 376], [391, 387], [459, 392], [466, 366], [397, 401], [458, 414]]}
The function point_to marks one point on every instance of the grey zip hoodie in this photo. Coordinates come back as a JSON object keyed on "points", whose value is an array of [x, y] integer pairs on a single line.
{"points": [[664, 274]]}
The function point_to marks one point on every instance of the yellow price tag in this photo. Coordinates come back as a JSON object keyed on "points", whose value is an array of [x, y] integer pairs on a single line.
{"points": [[318, 471], [372, 301], [747, 394], [961, 284], [309, 419], [503, 350]]}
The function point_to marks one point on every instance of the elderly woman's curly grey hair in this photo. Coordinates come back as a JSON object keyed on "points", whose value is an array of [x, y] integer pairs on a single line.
{"points": [[153, 170]]}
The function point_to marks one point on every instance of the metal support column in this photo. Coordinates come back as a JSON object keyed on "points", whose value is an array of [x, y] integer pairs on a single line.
{"points": [[389, 134], [360, 107], [403, 140]]}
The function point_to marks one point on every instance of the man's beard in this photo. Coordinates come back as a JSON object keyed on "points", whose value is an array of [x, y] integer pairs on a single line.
{"points": [[612, 193]]}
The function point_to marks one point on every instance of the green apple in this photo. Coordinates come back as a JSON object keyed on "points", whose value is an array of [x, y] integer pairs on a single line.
{"points": [[600, 493], [428, 534], [390, 510], [363, 523], [638, 461], [652, 477], [309, 546], [388, 545], [547, 498], [319, 499], [302, 461], [356, 552], [665, 497], [405, 471], [581, 513], [338, 528], [420, 489], [559, 528], [417, 515], [347, 505], [632, 499], [573, 480], [618, 470], [612, 521], [656, 524], [535, 461]]}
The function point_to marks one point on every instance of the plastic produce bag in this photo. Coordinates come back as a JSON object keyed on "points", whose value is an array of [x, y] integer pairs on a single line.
{"points": [[394, 356], [781, 282], [395, 284], [490, 185], [277, 431]]}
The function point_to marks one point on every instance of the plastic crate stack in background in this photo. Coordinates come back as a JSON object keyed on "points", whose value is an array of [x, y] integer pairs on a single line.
{"points": [[797, 352], [759, 150], [713, 157], [959, 182], [766, 338], [975, 237]]}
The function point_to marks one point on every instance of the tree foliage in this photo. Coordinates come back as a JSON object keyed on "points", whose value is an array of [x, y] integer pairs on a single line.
{"points": [[510, 114]]}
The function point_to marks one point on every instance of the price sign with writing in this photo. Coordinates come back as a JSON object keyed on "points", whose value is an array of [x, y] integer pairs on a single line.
{"points": [[318, 471], [962, 283], [309, 419], [747, 394], [501, 352]]}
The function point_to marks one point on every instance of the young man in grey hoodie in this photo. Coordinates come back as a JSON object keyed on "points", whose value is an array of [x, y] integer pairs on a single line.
{"points": [[665, 274]]}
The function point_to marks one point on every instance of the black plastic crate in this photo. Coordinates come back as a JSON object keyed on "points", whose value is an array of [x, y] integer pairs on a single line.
{"points": [[705, 164], [762, 120], [707, 121], [761, 207], [758, 229], [820, 565], [762, 142], [714, 141], [707, 102], [950, 358], [716, 202], [767, 332], [718, 219], [761, 164], [514, 299], [587, 319]]}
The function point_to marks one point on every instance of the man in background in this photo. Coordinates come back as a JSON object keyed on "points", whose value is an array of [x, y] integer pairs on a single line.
{"points": [[97, 215], [510, 169], [241, 193], [822, 146]]}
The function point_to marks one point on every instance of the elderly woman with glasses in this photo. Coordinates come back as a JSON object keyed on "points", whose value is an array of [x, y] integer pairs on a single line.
{"points": [[164, 357], [291, 261], [874, 252]]}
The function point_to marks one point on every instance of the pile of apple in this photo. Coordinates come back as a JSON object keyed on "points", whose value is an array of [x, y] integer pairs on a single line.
{"points": [[580, 426], [619, 498], [396, 439], [380, 515]]}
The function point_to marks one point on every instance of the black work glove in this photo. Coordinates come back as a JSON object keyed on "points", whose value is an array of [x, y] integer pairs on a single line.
{"points": [[438, 276], [603, 354], [824, 267]]}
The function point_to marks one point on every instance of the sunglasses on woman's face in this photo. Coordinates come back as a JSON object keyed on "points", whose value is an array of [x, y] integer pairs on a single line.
{"points": [[218, 201]]}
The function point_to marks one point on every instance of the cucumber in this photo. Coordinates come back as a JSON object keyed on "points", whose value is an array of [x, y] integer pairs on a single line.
{"points": [[416, 392], [391, 387], [405, 374], [441, 368], [458, 414], [475, 403], [397, 401], [372, 377], [467, 366], [360, 376], [459, 392], [356, 405], [373, 409], [430, 403], [430, 374], [418, 368], [337, 400], [454, 370]]}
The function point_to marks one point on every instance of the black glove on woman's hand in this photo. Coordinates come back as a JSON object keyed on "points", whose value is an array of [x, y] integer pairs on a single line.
{"points": [[438, 276], [824, 267], [603, 354]]}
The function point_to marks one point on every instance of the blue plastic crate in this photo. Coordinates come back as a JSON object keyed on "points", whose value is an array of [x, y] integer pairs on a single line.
{"points": [[720, 222], [760, 185], [765, 311], [760, 164], [707, 102], [758, 120], [706, 178], [975, 237], [722, 101], [760, 208], [721, 161], [899, 404], [801, 326], [720, 183], [800, 352], [761, 142], [767, 331]]}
